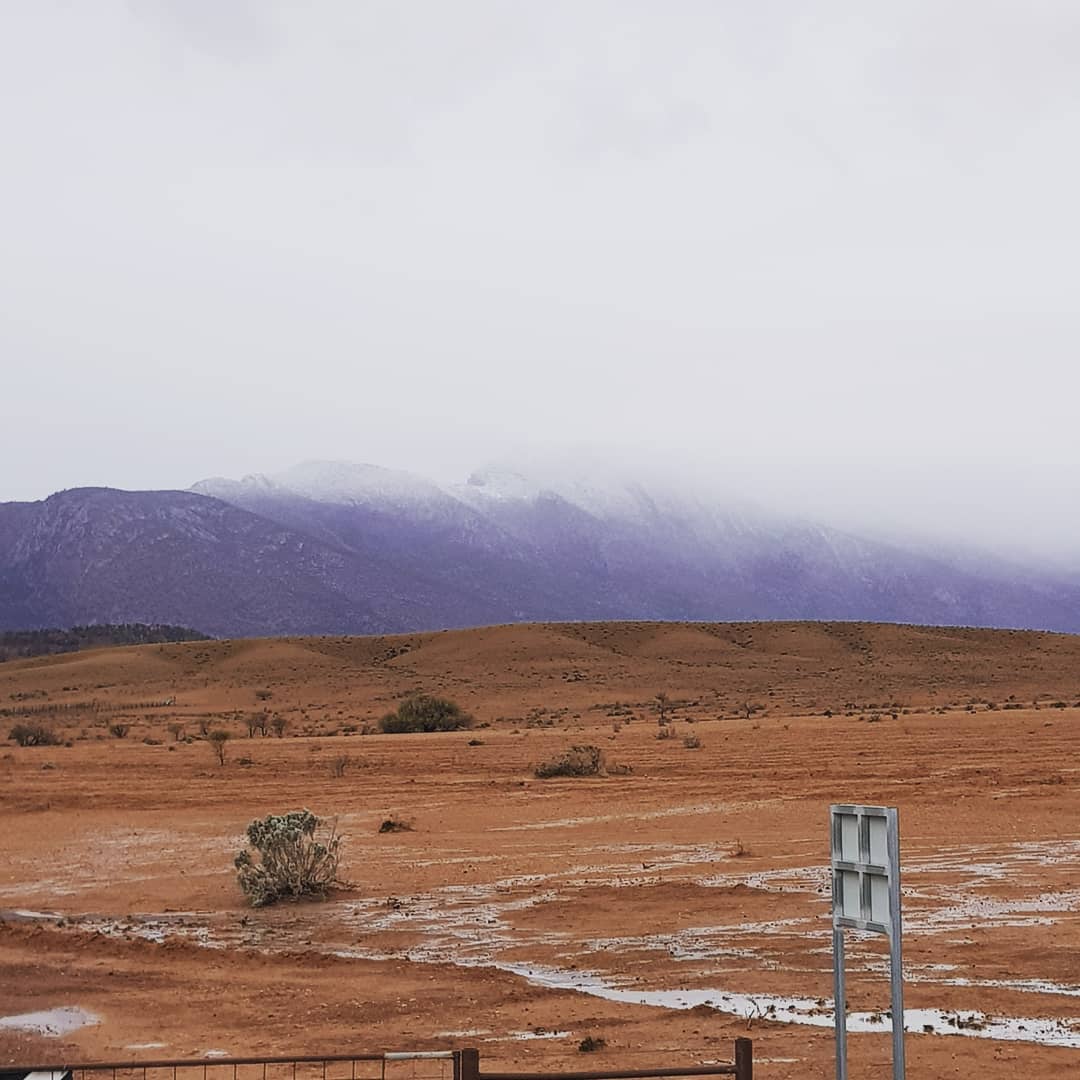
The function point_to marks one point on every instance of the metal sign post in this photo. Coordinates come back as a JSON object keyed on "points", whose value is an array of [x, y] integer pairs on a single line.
{"points": [[865, 864]]}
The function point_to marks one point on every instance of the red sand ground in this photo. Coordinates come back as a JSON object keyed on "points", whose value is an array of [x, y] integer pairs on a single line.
{"points": [[701, 869]]}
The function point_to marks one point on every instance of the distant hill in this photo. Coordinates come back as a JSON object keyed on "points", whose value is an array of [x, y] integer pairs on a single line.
{"points": [[606, 669], [337, 548], [19, 644]]}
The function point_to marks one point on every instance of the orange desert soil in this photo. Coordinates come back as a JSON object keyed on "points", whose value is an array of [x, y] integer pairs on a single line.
{"points": [[666, 907]]}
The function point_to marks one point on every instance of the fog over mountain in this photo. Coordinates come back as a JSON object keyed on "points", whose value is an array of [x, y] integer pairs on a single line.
{"points": [[820, 255], [332, 547]]}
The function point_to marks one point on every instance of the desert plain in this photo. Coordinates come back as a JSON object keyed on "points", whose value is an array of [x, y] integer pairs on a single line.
{"points": [[666, 907]]}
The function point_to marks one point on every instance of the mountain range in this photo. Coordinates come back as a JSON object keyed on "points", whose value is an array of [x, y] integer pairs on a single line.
{"points": [[331, 547]]}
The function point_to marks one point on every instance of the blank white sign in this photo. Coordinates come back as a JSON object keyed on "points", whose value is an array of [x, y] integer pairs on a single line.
{"points": [[879, 841], [879, 899], [850, 895], [849, 838]]}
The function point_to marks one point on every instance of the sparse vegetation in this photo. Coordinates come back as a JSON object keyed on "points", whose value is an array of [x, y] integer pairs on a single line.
{"points": [[577, 761], [590, 1044], [395, 824], [218, 739], [258, 722], [663, 707], [119, 731], [425, 712], [34, 735], [17, 644], [289, 856], [339, 764]]}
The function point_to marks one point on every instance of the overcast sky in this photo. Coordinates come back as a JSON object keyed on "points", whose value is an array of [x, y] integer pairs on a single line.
{"points": [[830, 246]]}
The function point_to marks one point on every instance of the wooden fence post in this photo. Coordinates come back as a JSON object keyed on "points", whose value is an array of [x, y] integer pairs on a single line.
{"points": [[744, 1059], [467, 1064]]}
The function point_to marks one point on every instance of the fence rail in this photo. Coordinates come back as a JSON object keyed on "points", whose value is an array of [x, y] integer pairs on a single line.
{"points": [[465, 1063], [467, 1067]]}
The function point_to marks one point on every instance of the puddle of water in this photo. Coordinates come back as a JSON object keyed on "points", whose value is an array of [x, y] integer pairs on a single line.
{"points": [[51, 1022], [648, 815], [1023, 986], [528, 1036], [793, 1010]]}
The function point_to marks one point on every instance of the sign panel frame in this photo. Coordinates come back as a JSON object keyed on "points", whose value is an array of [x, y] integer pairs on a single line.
{"points": [[864, 865]]}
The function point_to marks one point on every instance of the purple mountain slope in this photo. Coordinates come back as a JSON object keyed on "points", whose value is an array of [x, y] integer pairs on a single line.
{"points": [[337, 548]]}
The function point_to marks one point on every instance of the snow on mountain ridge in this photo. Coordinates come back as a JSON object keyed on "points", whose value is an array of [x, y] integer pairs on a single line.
{"points": [[336, 481], [330, 482], [603, 492]]}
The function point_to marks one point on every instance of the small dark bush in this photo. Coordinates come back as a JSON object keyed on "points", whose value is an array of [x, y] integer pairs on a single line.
{"points": [[425, 712], [577, 761], [34, 735], [395, 824], [119, 731], [590, 1044]]}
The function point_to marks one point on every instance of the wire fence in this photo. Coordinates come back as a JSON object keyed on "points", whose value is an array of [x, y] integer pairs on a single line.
{"points": [[419, 1065], [405, 1065]]}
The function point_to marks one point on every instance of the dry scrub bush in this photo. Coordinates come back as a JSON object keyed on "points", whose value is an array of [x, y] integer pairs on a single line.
{"points": [[34, 735], [290, 860], [218, 739], [577, 761], [258, 722], [424, 712]]}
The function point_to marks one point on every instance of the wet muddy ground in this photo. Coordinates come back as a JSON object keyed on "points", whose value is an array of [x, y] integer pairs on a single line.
{"points": [[666, 909]]}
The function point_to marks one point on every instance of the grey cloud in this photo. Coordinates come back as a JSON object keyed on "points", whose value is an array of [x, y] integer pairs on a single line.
{"points": [[831, 242]]}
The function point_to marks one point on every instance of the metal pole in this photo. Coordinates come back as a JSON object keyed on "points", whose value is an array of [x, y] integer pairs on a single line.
{"points": [[839, 1003], [896, 962]]}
